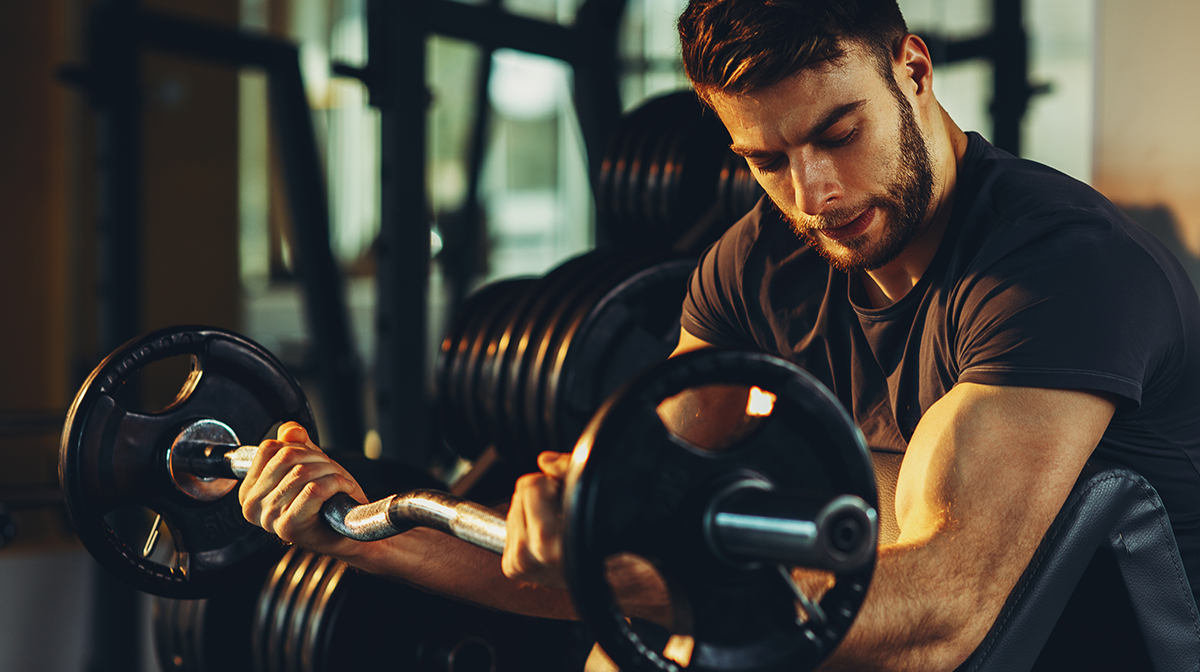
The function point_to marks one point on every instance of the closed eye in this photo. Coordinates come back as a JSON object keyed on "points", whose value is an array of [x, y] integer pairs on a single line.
{"points": [[842, 141], [769, 167]]}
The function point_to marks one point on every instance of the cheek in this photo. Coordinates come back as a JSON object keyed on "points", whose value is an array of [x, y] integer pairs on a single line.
{"points": [[869, 169]]}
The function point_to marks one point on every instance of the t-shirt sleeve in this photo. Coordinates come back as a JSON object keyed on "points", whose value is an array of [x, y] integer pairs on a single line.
{"points": [[714, 309], [1080, 307]]}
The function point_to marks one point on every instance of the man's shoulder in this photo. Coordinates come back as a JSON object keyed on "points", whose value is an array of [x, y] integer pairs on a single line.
{"points": [[1018, 205], [1020, 190]]}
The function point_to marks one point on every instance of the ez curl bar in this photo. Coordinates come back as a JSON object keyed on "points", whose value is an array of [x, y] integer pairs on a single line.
{"points": [[788, 485]]}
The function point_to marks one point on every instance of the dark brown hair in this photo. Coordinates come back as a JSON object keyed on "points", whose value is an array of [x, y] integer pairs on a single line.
{"points": [[735, 46]]}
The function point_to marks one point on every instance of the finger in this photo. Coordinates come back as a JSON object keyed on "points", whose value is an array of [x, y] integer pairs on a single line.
{"points": [[276, 503], [303, 511], [554, 465], [533, 543], [272, 465], [513, 558], [262, 457], [543, 512], [294, 432]]}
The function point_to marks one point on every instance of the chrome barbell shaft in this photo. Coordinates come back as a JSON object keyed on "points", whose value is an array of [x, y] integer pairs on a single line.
{"points": [[754, 525], [473, 523]]}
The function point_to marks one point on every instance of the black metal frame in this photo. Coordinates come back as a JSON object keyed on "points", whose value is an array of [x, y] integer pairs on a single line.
{"points": [[1006, 47], [118, 31], [395, 76]]}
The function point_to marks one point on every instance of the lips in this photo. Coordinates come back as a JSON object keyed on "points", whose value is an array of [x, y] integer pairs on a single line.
{"points": [[852, 228]]}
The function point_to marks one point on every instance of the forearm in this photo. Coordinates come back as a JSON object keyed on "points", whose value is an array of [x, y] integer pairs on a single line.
{"points": [[442, 564], [921, 613]]}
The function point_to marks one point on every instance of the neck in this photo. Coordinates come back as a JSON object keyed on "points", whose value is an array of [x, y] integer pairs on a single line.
{"points": [[892, 282]]}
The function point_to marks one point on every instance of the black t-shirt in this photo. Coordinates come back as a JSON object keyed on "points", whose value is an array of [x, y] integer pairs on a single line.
{"points": [[1039, 282]]}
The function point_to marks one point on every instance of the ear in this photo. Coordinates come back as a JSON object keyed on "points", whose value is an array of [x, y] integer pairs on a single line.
{"points": [[912, 63]]}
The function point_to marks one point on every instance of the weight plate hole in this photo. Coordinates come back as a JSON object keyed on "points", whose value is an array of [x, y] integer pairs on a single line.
{"points": [[159, 385], [144, 532], [638, 588], [716, 417]]}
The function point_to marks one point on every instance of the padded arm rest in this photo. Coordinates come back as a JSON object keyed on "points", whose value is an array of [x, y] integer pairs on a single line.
{"points": [[1109, 508]]}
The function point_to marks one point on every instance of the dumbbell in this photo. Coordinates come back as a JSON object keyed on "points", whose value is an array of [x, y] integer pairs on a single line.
{"points": [[721, 521]]}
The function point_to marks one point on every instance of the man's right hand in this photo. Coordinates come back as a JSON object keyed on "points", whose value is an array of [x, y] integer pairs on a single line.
{"points": [[287, 484]]}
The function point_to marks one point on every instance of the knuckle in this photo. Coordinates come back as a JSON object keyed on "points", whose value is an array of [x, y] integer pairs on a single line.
{"points": [[289, 453], [316, 489], [518, 566], [526, 481], [249, 512], [285, 529], [303, 472]]}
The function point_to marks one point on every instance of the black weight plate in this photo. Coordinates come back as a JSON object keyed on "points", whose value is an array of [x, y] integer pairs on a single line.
{"points": [[611, 272], [493, 376], [636, 488], [447, 379], [623, 226], [548, 292], [636, 122], [284, 606], [206, 635], [694, 189], [489, 298], [455, 371], [319, 627], [510, 439], [738, 189], [663, 183], [635, 325], [482, 353], [659, 114], [264, 609], [304, 611], [602, 266], [111, 457], [450, 358], [168, 633], [612, 170], [678, 113]]}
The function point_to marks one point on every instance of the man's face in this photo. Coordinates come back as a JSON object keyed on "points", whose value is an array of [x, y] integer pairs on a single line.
{"points": [[838, 151]]}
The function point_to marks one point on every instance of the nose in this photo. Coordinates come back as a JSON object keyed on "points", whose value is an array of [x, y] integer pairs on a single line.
{"points": [[815, 185]]}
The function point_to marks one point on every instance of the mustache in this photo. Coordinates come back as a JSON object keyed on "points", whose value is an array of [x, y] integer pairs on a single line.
{"points": [[835, 217]]}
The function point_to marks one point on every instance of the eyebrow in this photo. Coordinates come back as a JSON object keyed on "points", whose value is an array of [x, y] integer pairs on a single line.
{"points": [[832, 117]]}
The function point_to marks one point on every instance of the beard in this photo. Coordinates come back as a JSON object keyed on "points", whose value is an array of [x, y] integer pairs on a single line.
{"points": [[903, 204]]}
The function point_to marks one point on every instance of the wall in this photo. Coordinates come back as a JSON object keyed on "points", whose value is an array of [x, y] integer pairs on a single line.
{"points": [[1147, 153], [48, 258]]}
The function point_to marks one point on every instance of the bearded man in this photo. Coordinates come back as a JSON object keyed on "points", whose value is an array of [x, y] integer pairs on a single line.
{"points": [[996, 322]]}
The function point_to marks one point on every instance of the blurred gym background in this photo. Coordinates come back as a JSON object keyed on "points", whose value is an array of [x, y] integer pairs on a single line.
{"points": [[1111, 90]]}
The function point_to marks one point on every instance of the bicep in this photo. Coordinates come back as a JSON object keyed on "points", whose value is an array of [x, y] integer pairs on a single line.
{"points": [[996, 463]]}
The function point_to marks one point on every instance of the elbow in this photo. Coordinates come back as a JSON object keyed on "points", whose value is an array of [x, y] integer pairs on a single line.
{"points": [[951, 635]]}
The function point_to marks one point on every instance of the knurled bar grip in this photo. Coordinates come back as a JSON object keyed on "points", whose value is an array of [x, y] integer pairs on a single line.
{"points": [[749, 524], [473, 523]]}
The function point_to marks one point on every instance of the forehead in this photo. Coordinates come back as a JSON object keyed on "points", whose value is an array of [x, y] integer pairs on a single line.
{"points": [[801, 100]]}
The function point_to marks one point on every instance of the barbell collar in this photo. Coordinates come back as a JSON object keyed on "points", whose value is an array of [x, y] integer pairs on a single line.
{"points": [[753, 524]]}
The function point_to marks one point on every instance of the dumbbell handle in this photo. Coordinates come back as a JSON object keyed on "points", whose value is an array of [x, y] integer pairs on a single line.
{"points": [[747, 523]]}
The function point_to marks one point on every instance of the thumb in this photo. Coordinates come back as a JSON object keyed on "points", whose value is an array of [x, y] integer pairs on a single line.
{"points": [[294, 432], [555, 465]]}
